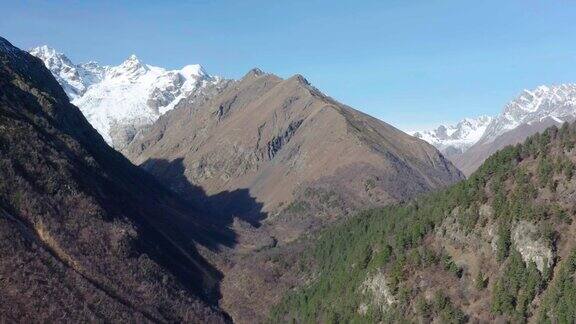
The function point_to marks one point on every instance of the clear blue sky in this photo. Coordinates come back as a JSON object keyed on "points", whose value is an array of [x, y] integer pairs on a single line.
{"points": [[411, 63]]}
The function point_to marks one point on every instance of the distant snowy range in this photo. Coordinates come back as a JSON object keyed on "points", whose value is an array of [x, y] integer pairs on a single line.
{"points": [[469, 142], [120, 101], [455, 139]]}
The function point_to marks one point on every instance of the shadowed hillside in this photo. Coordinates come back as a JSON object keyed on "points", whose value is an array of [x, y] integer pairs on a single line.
{"points": [[85, 235]]}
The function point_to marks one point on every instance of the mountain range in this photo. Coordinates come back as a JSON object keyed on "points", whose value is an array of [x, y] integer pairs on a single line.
{"points": [[222, 146], [471, 141], [177, 196], [251, 166], [121, 100], [456, 139]]}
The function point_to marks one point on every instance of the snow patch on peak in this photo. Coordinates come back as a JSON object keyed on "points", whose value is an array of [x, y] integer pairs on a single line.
{"points": [[193, 70], [129, 70], [45, 51], [131, 62], [132, 58]]}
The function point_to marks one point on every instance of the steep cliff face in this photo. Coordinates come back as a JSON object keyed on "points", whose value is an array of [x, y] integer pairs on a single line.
{"points": [[83, 226]]}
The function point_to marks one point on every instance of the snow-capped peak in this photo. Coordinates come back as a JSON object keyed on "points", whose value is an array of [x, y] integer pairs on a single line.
{"points": [[130, 69], [456, 138], [119, 100], [45, 51], [557, 102], [74, 79], [193, 70], [132, 62]]}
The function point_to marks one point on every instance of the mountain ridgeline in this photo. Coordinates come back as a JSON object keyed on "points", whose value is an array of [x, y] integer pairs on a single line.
{"points": [[85, 236], [498, 246], [472, 141], [264, 200], [292, 148]]}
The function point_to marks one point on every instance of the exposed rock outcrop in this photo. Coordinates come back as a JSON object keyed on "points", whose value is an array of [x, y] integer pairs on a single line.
{"points": [[378, 292], [531, 247]]}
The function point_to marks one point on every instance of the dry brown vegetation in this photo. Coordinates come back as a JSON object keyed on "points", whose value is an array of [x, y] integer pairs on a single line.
{"points": [[85, 235]]}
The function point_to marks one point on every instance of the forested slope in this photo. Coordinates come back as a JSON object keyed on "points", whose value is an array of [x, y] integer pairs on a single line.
{"points": [[497, 246]]}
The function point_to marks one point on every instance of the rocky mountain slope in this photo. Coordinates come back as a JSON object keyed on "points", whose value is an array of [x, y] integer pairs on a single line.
{"points": [[456, 139], [498, 247], [121, 100], [532, 111], [85, 236], [287, 144]]}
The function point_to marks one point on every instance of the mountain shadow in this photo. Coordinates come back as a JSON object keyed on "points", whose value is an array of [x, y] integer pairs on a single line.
{"points": [[218, 210], [84, 234]]}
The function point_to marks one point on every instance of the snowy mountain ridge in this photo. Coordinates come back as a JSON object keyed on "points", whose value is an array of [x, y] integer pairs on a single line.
{"points": [[454, 139], [75, 79], [556, 102], [121, 100]]}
